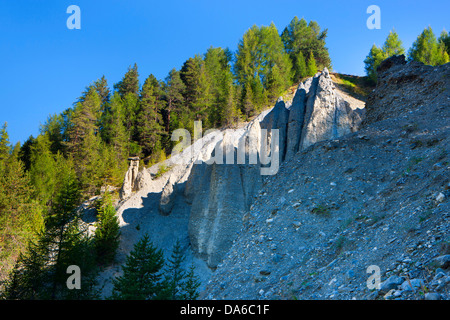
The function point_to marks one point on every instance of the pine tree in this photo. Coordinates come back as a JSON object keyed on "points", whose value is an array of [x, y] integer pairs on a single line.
{"points": [[372, 61], [428, 50], [43, 170], [82, 120], [21, 217], [299, 37], [141, 279], [311, 68], [5, 147], [54, 129], [25, 152], [178, 283], [299, 67], [129, 82], [149, 121], [174, 275], [40, 273], [174, 101], [444, 38], [392, 45], [107, 233], [103, 91], [259, 51], [191, 285], [196, 94]]}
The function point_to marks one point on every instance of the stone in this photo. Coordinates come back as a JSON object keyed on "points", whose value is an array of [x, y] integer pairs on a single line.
{"points": [[432, 296], [440, 197], [391, 283], [442, 261], [415, 283], [168, 195]]}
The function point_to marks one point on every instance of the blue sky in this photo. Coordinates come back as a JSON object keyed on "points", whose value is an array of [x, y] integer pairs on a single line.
{"points": [[45, 66]]}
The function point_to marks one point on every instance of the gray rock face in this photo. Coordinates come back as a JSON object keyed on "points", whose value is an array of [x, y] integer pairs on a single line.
{"points": [[318, 113], [167, 196], [296, 118], [221, 193], [216, 212], [278, 118], [327, 113]]}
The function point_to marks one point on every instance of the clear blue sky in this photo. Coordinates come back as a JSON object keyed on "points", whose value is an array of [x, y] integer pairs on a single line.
{"points": [[45, 66]]}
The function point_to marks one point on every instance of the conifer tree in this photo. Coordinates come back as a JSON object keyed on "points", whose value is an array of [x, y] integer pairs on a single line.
{"points": [[5, 147], [129, 82], [299, 67], [444, 38], [258, 52], [43, 170], [372, 61], [40, 273], [21, 217], [174, 275], [311, 68], [428, 50], [174, 88], [191, 285], [149, 121], [103, 91], [141, 279], [301, 37], [107, 233], [54, 129], [392, 45]]}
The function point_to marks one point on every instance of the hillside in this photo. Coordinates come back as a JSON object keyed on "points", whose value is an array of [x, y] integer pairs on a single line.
{"points": [[375, 197]]}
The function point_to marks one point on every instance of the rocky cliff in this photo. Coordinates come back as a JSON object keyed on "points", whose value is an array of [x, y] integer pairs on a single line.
{"points": [[371, 201]]}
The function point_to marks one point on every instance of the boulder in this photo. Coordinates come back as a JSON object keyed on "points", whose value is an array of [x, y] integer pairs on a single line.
{"points": [[168, 196]]}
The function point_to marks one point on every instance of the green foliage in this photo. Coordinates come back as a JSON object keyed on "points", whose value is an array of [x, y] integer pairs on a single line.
{"points": [[40, 273], [428, 50], [21, 216], [5, 147], [149, 122], [146, 275], [372, 61], [129, 83], [141, 279], [392, 46], [107, 233], [179, 284], [87, 146], [262, 68], [311, 68], [301, 38], [444, 38], [162, 168]]}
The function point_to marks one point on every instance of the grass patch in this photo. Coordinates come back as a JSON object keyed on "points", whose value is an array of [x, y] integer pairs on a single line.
{"points": [[321, 210], [413, 162], [358, 86], [161, 170]]}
